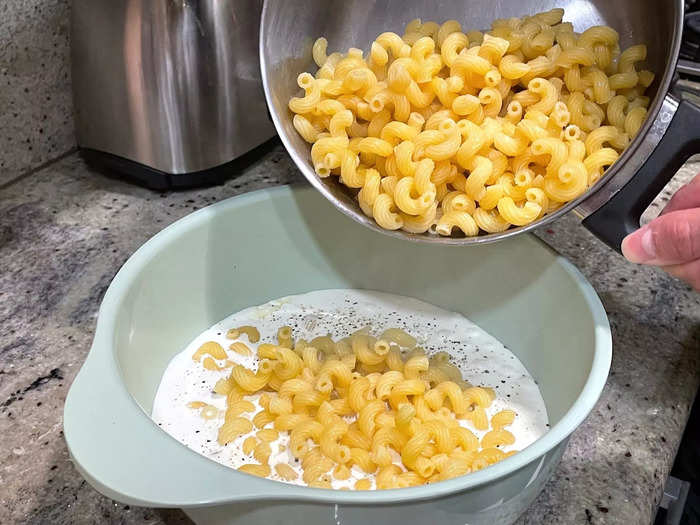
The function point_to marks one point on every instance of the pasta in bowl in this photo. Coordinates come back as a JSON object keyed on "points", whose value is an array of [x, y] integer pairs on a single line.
{"points": [[327, 405], [450, 132]]}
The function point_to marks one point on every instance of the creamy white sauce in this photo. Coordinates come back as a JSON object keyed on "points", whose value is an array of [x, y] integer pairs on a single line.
{"points": [[483, 360]]}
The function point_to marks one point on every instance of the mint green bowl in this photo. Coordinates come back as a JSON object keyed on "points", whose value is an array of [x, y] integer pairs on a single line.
{"points": [[268, 244]]}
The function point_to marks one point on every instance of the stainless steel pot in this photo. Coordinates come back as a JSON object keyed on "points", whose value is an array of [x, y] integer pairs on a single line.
{"points": [[612, 208]]}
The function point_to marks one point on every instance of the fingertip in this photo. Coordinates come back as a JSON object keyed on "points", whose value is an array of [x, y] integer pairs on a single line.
{"points": [[625, 247], [635, 247]]}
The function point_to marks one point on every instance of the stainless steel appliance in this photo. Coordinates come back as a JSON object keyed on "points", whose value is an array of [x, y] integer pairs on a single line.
{"points": [[168, 92], [612, 208]]}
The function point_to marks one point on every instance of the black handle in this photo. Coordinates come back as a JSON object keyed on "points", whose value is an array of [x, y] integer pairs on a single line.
{"points": [[620, 215]]}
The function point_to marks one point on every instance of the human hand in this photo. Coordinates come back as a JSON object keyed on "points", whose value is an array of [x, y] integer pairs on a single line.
{"points": [[672, 240]]}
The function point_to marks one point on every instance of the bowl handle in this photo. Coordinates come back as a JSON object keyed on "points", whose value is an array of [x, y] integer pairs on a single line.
{"points": [[124, 455], [620, 215]]}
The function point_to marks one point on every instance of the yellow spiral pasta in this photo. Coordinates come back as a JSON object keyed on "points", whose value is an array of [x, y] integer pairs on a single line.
{"points": [[448, 95], [249, 445], [385, 213], [361, 458], [234, 428], [464, 438], [463, 221], [414, 366], [236, 408], [288, 364], [286, 472], [267, 434], [249, 380], [502, 419], [262, 471], [634, 120], [598, 161], [210, 348], [478, 396], [497, 438], [378, 403]]}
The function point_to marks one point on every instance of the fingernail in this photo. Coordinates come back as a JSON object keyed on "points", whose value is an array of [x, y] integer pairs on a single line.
{"points": [[638, 247]]}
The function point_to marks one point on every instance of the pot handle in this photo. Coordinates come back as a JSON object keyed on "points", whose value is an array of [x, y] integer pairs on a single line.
{"points": [[620, 215]]}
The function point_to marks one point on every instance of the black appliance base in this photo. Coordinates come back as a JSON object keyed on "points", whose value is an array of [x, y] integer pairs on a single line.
{"points": [[121, 168]]}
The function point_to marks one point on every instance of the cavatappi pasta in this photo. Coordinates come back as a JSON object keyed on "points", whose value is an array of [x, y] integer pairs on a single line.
{"points": [[444, 131], [378, 404]]}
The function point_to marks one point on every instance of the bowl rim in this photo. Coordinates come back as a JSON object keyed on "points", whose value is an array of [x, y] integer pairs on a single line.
{"points": [[102, 362]]}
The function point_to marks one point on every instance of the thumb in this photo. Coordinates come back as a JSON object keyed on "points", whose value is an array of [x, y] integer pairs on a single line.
{"points": [[672, 238]]}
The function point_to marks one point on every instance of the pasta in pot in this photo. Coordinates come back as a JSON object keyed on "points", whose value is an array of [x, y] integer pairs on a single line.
{"points": [[447, 102]]}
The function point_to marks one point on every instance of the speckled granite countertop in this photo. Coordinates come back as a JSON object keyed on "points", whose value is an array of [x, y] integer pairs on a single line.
{"points": [[65, 231]]}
